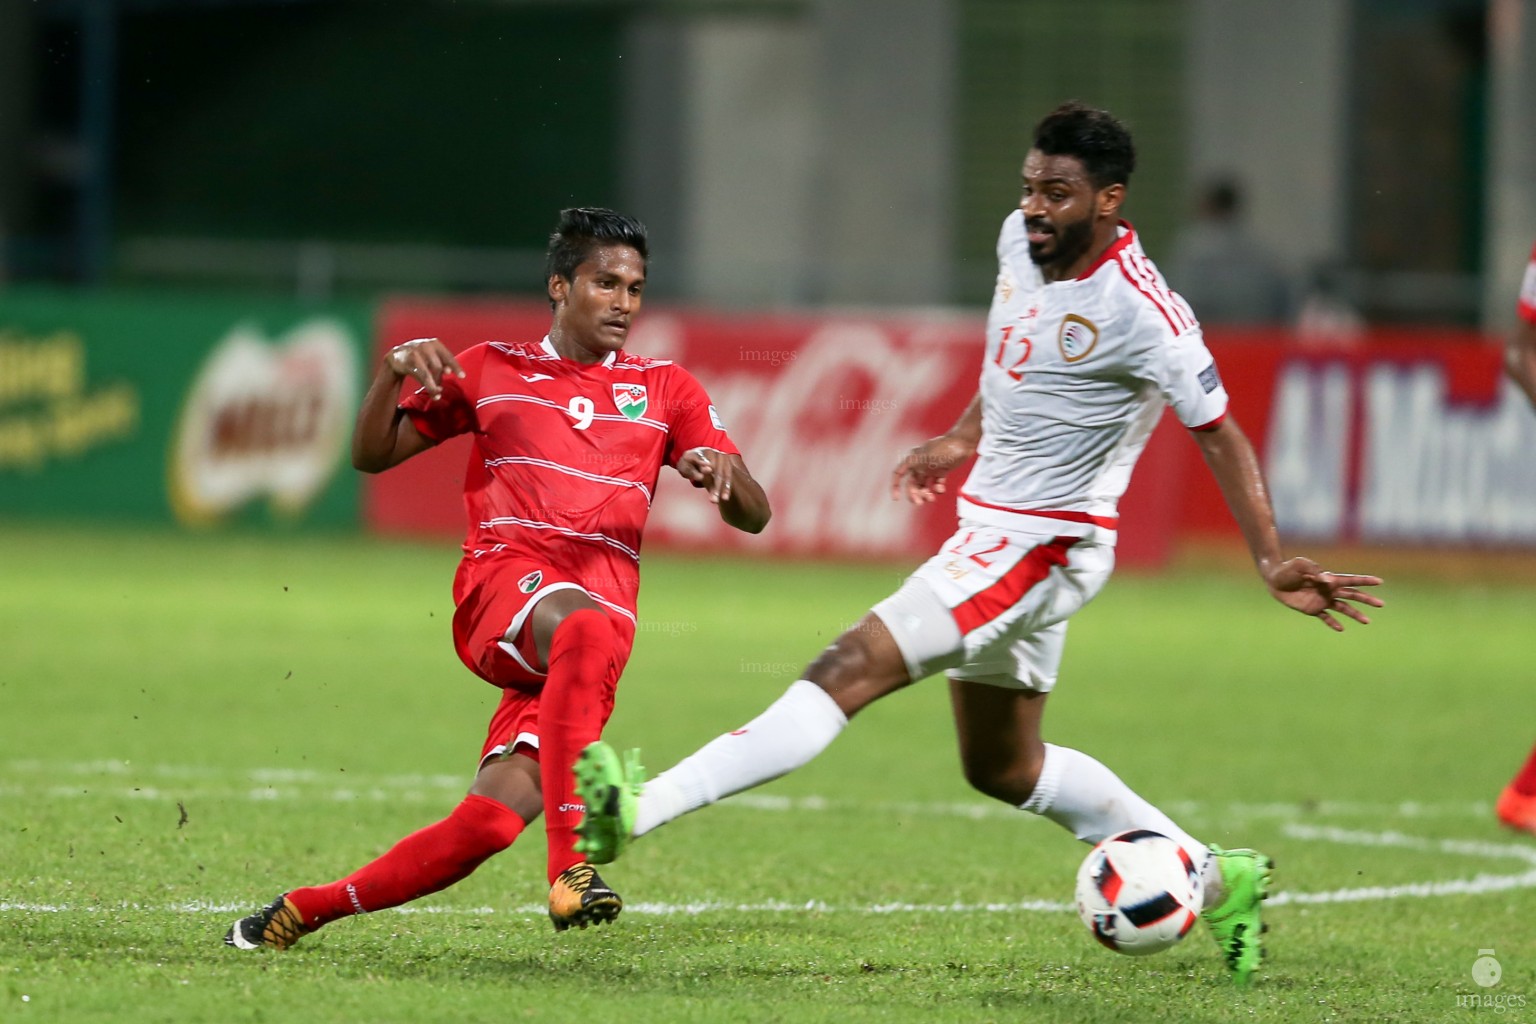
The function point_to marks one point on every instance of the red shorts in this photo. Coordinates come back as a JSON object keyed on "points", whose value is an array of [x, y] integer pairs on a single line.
{"points": [[514, 724], [495, 596]]}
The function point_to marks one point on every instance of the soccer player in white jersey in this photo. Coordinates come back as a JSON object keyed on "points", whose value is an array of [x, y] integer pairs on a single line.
{"points": [[1085, 345]]}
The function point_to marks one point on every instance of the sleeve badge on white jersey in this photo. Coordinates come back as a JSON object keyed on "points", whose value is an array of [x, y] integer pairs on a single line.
{"points": [[714, 417], [1005, 285], [1210, 380], [1077, 337]]}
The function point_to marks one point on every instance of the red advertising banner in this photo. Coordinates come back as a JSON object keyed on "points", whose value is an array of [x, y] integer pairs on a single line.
{"points": [[1408, 439], [821, 406]]}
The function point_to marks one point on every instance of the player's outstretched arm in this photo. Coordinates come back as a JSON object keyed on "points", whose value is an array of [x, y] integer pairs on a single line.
{"points": [[725, 479], [1298, 583], [919, 476], [383, 435]]}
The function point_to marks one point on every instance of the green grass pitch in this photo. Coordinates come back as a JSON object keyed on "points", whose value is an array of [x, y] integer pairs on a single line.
{"points": [[191, 725]]}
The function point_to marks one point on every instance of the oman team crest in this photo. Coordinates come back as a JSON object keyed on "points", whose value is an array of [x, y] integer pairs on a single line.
{"points": [[528, 584], [1077, 338], [631, 399]]}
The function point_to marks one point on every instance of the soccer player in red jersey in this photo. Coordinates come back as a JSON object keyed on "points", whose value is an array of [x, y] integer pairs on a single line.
{"points": [[570, 436], [1517, 804]]}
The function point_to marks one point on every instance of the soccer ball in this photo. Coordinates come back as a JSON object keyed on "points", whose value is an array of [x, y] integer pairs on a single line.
{"points": [[1138, 892]]}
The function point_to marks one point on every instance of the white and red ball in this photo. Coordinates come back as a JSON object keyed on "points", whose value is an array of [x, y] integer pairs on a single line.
{"points": [[1139, 892]]}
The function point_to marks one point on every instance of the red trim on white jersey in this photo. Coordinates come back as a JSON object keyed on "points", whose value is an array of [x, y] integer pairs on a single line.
{"points": [[1218, 421], [1526, 306], [1107, 522], [1138, 270], [1112, 251]]}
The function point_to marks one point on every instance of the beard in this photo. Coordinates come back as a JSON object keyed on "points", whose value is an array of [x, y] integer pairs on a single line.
{"points": [[1072, 241]]}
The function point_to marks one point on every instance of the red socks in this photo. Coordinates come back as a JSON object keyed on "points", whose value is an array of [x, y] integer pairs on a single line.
{"points": [[585, 657], [1525, 782], [423, 862]]}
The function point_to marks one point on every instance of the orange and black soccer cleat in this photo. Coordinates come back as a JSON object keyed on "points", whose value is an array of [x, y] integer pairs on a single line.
{"points": [[580, 898], [276, 926]]}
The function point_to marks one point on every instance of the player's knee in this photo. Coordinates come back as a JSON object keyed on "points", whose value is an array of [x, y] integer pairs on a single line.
{"points": [[587, 632], [487, 825], [587, 647], [587, 627], [853, 673], [1009, 780], [498, 835]]}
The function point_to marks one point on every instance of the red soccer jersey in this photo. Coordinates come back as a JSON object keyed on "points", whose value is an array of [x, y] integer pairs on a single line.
{"points": [[1527, 305], [566, 456]]}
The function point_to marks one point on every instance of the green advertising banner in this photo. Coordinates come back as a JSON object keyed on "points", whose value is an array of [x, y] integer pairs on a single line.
{"points": [[196, 410]]}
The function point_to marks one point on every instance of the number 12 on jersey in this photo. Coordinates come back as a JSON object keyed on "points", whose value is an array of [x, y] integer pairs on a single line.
{"points": [[1002, 346]]}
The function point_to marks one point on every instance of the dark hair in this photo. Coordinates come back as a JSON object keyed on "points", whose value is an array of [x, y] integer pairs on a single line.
{"points": [[584, 228], [1095, 137]]}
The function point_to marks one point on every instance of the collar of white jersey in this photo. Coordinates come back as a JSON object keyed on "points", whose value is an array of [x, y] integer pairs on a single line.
{"points": [[549, 347], [1126, 240]]}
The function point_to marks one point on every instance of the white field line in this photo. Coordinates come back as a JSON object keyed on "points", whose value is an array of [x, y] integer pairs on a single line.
{"points": [[121, 779], [1479, 885]]}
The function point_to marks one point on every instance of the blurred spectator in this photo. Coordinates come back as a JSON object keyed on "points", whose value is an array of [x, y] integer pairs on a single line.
{"points": [[1327, 317], [1228, 276]]}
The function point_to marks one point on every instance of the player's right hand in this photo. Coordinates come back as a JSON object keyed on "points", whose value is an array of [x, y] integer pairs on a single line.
{"points": [[427, 360], [919, 476]]}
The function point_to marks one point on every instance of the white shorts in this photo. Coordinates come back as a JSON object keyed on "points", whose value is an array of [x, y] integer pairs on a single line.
{"points": [[992, 605]]}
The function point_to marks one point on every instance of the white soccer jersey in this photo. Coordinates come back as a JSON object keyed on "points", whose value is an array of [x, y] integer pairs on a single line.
{"points": [[1527, 303], [1075, 376]]}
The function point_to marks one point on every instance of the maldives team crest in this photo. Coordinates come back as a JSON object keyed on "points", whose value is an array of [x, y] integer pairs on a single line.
{"points": [[631, 399], [528, 584]]}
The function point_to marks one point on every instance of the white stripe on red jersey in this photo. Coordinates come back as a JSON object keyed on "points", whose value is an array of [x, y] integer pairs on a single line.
{"points": [[518, 460], [564, 466], [615, 417]]}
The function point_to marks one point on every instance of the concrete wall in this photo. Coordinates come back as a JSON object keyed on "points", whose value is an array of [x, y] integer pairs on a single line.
{"points": [[796, 153], [1268, 102], [1510, 224]]}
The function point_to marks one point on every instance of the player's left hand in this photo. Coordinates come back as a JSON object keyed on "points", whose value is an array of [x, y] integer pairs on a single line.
{"points": [[1303, 585], [709, 469]]}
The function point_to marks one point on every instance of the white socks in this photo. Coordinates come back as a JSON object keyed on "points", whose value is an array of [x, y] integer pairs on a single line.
{"points": [[1088, 800], [794, 729], [1075, 791]]}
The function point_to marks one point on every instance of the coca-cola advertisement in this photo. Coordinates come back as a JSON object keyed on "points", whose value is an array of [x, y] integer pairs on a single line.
{"points": [[821, 407]]}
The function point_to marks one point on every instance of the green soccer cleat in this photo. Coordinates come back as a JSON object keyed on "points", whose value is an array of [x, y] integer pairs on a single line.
{"points": [[610, 788], [1245, 879]]}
